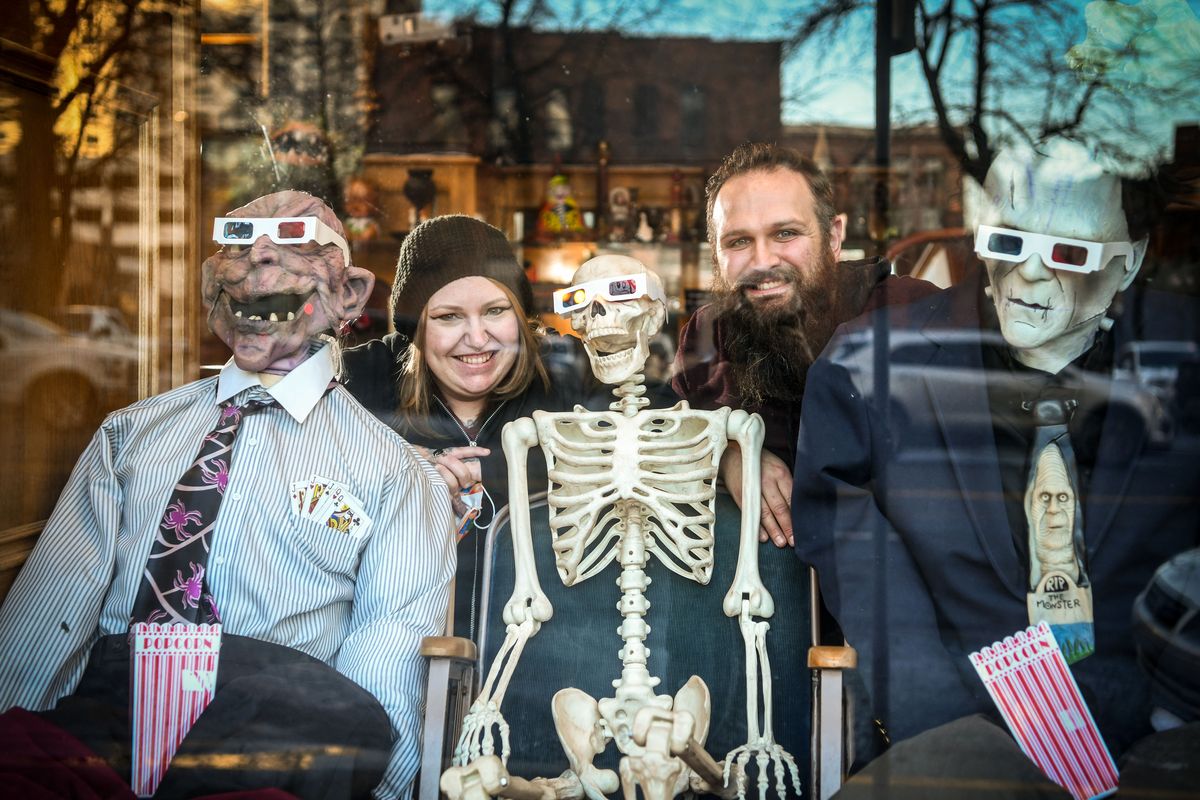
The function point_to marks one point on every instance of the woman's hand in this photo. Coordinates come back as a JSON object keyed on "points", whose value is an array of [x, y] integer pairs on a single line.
{"points": [[459, 467]]}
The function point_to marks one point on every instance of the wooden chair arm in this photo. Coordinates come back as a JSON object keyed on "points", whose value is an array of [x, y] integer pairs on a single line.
{"points": [[832, 657], [448, 647]]}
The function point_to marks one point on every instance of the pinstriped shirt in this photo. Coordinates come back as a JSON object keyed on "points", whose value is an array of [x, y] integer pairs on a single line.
{"points": [[361, 605]]}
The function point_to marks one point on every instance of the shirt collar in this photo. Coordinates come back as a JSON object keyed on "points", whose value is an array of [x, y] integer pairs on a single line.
{"points": [[297, 392]]}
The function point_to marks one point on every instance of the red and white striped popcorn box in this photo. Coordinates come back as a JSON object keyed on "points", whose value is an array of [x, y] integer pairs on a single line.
{"points": [[173, 678], [1028, 679]]}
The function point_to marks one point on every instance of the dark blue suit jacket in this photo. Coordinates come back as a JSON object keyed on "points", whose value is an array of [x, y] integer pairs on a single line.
{"points": [[898, 504]]}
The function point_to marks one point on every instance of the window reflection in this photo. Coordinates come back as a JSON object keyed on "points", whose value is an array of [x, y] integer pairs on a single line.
{"points": [[121, 140]]}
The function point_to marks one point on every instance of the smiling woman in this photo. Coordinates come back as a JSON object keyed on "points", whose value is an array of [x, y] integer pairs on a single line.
{"points": [[466, 359]]}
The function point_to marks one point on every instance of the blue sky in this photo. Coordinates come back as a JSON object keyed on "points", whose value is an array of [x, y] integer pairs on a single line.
{"points": [[834, 83]]}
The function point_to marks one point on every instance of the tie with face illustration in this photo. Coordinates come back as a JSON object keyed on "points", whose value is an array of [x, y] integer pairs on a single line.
{"points": [[1059, 591]]}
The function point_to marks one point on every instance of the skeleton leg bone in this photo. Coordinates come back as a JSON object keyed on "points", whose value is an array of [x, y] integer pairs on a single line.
{"points": [[488, 778]]}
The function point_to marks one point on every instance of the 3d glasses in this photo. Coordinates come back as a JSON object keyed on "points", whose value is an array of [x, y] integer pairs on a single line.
{"points": [[1057, 252], [623, 287], [281, 230]]}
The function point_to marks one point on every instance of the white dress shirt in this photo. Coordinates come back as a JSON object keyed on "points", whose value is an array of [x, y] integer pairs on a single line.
{"points": [[360, 604]]}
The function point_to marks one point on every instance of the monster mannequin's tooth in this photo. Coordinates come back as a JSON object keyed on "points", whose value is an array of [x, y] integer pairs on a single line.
{"points": [[256, 317], [238, 314], [274, 317], [291, 315]]}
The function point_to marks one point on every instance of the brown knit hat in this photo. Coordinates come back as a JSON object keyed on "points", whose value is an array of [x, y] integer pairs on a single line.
{"points": [[442, 250]]}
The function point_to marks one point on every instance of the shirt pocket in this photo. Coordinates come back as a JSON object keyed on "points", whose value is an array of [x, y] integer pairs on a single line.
{"points": [[332, 551]]}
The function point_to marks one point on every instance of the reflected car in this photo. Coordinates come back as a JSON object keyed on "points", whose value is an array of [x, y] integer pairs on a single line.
{"points": [[1155, 364], [95, 322], [1121, 403], [59, 380]]}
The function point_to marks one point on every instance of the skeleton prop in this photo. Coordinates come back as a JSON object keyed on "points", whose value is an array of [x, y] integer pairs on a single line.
{"points": [[628, 485]]}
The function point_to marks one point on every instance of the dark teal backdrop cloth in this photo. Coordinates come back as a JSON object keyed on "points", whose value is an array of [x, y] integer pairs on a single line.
{"points": [[690, 635]]}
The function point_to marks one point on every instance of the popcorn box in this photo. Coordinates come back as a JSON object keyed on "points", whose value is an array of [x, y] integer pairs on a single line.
{"points": [[174, 676], [1028, 679]]}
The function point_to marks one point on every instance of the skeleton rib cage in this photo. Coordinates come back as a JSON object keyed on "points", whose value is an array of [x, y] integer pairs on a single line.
{"points": [[671, 477]]}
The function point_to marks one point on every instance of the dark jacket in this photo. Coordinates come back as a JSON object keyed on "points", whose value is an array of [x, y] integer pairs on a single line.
{"points": [[907, 523], [371, 373]]}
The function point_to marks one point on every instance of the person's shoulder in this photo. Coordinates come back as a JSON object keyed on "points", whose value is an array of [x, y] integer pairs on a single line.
{"points": [[366, 358], [391, 453], [916, 323], [370, 371], [168, 402], [347, 407], [698, 373], [160, 413], [902, 302], [900, 289], [887, 288]]}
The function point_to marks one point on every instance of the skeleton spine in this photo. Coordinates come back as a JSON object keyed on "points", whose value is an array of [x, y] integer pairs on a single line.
{"points": [[635, 680]]}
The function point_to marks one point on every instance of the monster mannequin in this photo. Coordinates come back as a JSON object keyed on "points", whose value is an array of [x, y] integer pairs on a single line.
{"points": [[1012, 492], [323, 610], [626, 485]]}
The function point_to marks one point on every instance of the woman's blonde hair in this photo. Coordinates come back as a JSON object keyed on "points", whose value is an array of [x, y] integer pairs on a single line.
{"points": [[417, 382]]}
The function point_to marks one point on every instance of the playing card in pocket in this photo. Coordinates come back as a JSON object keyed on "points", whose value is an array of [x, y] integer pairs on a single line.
{"points": [[317, 487], [345, 514], [297, 497]]}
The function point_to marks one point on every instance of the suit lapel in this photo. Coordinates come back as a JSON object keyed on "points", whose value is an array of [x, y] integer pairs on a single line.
{"points": [[1121, 441], [960, 405]]}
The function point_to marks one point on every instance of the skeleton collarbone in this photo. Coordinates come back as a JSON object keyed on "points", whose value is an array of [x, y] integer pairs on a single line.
{"points": [[604, 467]]}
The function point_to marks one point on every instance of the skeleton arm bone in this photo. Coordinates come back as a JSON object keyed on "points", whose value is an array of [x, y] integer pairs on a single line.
{"points": [[748, 598], [526, 609], [747, 431], [528, 599], [761, 741], [476, 739]]}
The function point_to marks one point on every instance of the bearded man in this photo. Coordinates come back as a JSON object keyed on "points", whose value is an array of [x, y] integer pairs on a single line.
{"points": [[779, 293], [322, 613]]}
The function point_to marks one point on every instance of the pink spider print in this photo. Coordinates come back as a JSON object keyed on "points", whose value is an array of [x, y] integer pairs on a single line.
{"points": [[178, 518], [230, 412], [212, 607], [218, 477], [192, 586]]}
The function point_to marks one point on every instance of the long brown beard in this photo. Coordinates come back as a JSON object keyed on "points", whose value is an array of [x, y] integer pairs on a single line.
{"points": [[770, 348]]}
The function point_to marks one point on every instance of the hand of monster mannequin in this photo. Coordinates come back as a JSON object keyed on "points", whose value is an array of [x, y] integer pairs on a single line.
{"points": [[776, 493]]}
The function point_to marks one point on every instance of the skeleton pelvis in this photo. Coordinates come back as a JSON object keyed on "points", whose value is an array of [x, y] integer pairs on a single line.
{"points": [[646, 727]]}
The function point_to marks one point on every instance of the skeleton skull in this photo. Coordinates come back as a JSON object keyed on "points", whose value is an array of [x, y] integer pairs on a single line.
{"points": [[616, 334]]}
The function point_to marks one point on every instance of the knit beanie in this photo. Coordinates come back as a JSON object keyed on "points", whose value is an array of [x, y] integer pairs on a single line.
{"points": [[443, 249]]}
